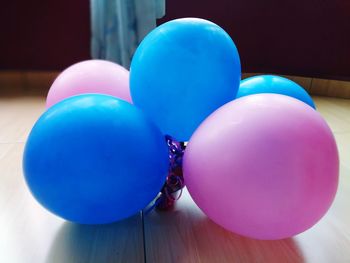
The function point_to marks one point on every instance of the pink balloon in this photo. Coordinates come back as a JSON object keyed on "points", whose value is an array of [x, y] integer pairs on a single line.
{"points": [[90, 76], [263, 166]]}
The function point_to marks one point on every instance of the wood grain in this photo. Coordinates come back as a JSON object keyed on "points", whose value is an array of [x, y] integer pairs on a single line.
{"points": [[17, 116], [331, 88], [11, 83], [38, 82]]}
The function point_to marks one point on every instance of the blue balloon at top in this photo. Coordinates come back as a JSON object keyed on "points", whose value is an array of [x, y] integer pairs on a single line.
{"points": [[183, 71], [274, 84], [95, 159]]}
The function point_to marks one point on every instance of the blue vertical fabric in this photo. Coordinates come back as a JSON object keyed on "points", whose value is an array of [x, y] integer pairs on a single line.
{"points": [[118, 26]]}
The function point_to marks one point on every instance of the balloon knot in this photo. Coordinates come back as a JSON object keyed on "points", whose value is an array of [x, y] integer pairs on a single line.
{"points": [[172, 189]]}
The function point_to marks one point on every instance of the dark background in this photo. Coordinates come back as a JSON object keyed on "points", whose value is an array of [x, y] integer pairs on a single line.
{"points": [[306, 38]]}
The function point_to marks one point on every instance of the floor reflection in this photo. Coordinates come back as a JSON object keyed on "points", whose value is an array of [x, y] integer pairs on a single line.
{"points": [[118, 242], [187, 235], [242, 249]]}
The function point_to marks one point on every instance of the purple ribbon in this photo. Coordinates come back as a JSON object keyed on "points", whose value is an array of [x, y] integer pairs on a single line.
{"points": [[172, 188]]}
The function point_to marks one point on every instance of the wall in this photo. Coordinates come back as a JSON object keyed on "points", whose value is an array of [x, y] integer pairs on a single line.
{"points": [[307, 38], [43, 35]]}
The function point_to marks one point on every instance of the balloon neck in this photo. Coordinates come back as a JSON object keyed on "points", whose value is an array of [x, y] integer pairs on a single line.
{"points": [[172, 188]]}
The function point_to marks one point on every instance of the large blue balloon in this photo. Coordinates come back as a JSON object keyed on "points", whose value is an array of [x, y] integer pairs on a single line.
{"points": [[273, 84], [183, 71], [95, 159]]}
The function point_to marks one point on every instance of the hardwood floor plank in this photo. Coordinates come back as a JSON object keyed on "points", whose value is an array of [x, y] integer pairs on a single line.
{"points": [[335, 111], [17, 117]]}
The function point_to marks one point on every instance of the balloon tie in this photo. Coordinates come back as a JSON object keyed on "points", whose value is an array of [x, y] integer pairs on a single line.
{"points": [[174, 183]]}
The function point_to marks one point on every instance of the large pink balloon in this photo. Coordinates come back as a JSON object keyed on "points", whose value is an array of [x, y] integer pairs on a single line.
{"points": [[90, 76], [263, 166]]}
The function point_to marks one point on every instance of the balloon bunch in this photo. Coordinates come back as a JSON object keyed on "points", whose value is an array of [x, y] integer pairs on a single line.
{"points": [[260, 160]]}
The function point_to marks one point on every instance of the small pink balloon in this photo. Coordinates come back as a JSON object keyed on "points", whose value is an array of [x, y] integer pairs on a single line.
{"points": [[90, 76], [263, 166]]}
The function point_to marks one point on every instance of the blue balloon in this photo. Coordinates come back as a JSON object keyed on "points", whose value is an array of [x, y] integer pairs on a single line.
{"points": [[183, 71], [95, 159], [273, 84]]}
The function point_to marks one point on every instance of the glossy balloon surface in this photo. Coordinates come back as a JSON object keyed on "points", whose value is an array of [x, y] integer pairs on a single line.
{"points": [[183, 71], [90, 76], [95, 159], [273, 84], [263, 166]]}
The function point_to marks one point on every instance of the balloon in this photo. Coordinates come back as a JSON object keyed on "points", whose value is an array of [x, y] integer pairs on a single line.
{"points": [[95, 159], [91, 76], [263, 166], [183, 71], [273, 84]]}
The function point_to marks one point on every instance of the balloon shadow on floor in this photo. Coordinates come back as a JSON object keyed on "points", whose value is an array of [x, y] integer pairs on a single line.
{"points": [[245, 249], [187, 235], [118, 242]]}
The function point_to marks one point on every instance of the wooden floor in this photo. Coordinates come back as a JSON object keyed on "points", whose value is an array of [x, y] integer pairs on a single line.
{"points": [[28, 233]]}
